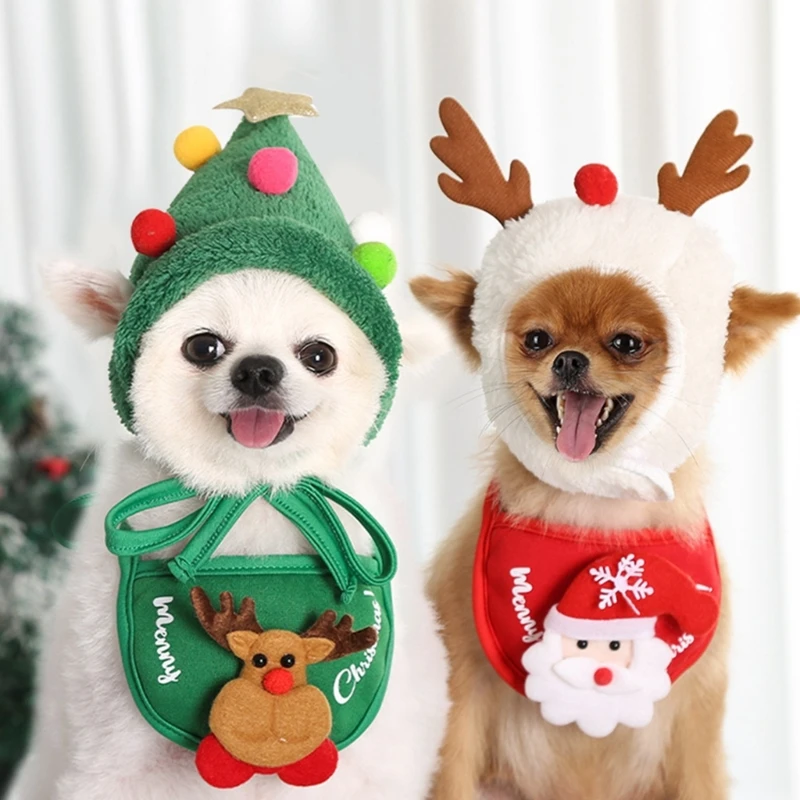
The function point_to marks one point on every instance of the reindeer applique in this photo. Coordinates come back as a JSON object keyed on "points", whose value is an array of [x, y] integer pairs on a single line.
{"points": [[269, 720]]}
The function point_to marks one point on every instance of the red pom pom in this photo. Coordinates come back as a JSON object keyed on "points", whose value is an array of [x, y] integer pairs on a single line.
{"points": [[153, 232], [596, 185], [55, 467], [218, 767], [278, 681]]}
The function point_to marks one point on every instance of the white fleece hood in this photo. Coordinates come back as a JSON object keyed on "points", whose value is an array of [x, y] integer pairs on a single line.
{"points": [[682, 266], [659, 245]]}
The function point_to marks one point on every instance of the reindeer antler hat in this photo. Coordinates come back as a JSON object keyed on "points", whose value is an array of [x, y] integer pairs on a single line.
{"points": [[679, 261]]}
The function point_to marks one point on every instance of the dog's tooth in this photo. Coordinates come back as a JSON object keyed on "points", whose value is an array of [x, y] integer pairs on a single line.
{"points": [[607, 409], [560, 402]]}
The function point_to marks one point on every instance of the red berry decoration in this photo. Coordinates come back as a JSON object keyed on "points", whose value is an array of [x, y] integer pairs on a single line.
{"points": [[596, 185], [153, 232], [55, 467]]}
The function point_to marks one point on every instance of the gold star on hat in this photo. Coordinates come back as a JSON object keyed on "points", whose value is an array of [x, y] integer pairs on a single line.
{"points": [[261, 104]]}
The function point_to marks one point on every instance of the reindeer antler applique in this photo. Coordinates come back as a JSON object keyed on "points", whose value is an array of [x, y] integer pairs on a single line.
{"points": [[708, 172], [482, 185], [218, 624], [344, 638]]}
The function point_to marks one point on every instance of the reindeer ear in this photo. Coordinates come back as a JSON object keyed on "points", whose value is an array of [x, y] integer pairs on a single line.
{"points": [[317, 649], [92, 299], [240, 643], [451, 300], [755, 319]]}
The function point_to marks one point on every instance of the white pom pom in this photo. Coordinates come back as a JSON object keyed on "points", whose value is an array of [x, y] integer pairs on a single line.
{"points": [[372, 226]]}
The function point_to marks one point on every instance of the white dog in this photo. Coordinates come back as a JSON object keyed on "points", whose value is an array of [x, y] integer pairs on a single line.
{"points": [[90, 741]]}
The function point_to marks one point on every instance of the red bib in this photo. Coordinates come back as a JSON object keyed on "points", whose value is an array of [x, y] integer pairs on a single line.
{"points": [[523, 568]]}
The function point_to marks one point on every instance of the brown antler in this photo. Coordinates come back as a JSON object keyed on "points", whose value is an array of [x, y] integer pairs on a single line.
{"points": [[706, 174], [345, 639], [218, 624], [482, 185]]}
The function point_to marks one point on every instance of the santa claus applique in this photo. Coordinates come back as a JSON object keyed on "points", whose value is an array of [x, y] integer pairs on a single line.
{"points": [[608, 643]]}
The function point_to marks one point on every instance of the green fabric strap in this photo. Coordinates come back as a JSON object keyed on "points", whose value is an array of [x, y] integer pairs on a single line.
{"points": [[306, 505]]}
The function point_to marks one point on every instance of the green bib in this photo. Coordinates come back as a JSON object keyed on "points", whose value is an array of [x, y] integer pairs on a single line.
{"points": [[175, 670]]}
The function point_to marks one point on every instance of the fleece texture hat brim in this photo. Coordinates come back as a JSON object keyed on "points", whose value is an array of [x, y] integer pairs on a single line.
{"points": [[682, 266], [258, 203], [283, 245]]}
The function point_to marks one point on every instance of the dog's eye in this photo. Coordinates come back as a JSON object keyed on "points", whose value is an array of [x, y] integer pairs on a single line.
{"points": [[538, 340], [318, 357], [203, 349], [582, 644], [614, 645], [259, 660], [626, 344], [287, 661]]}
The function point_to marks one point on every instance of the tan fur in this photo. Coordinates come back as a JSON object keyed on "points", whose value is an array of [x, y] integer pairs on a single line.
{"points": [[583, 310], [451, 300], [755, 319], [497, 738]]}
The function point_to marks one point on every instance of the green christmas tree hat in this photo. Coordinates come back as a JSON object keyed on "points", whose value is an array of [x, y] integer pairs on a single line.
{"points": [[260, 202]]}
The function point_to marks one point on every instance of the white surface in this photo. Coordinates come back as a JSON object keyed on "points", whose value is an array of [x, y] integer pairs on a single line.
{"points": [[92, 94]]}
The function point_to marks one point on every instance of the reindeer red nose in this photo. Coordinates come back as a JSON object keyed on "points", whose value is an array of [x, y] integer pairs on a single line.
{"points": [[603, 676], [278, 681], [596, 185]]}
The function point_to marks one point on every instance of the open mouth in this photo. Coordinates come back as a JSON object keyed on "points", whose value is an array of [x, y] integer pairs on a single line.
{"points": [[259, 427], [582, 421]]}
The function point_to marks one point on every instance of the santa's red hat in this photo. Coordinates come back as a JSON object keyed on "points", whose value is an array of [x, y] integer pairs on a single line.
{"points": [[622, 596]]}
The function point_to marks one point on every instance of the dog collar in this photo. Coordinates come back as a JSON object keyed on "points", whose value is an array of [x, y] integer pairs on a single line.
{"points": [[535, 582]]}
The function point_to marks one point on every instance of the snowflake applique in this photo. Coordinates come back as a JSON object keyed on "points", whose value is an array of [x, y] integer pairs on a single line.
{"points": [[627, 568]]}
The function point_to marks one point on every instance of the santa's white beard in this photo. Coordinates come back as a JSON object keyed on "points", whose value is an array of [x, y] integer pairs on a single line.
{"points": [[566, 689]]}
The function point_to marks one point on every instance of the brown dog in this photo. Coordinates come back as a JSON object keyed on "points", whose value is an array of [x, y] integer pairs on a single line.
{"points": [[601, 327]]}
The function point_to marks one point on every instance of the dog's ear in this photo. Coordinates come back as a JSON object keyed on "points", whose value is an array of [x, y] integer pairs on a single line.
{"points": [[755, 319], [451, 300], [92, 299]]}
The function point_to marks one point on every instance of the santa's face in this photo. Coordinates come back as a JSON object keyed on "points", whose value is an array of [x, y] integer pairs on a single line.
{"points": [[597, 684]]}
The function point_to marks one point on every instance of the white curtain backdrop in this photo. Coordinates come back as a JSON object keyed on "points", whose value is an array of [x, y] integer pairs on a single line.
{"points": [[92, 93]]}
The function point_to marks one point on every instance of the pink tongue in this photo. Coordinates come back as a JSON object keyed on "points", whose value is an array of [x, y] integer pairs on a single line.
{"points": [[256, 427], [579, 427]]}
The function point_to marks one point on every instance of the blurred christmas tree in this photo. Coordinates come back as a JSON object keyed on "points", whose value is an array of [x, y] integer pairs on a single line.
{"points": [[40, 470]]}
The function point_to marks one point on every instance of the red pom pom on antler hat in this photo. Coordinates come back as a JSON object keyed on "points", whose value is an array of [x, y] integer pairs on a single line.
{"points": [[596, 185]]}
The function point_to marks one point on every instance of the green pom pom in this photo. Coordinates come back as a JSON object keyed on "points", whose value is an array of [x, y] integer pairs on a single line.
{"points": [[377, 259]]}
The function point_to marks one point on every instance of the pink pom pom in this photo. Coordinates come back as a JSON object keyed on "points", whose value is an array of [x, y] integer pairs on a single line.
{"points": [[272, 170]]}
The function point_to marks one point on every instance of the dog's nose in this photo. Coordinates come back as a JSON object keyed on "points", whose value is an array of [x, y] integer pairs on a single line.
{"points": [[603, 676], [570, 365], [257, 375]]}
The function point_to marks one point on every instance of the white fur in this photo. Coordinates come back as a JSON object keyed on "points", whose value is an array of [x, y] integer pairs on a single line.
{"points": [[685, 269], [90, 741], [69, 285], [177, 407]]}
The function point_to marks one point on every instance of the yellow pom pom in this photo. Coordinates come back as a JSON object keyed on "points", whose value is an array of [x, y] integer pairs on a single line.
{"points": [[196, 145]]}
